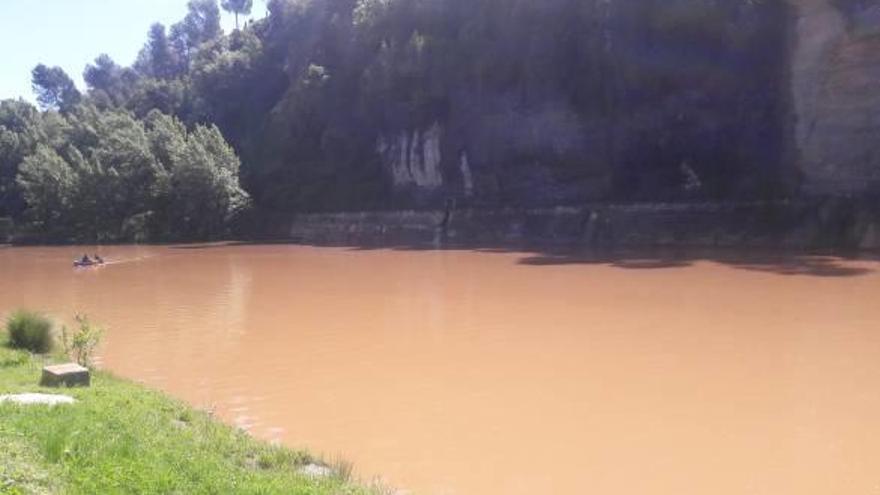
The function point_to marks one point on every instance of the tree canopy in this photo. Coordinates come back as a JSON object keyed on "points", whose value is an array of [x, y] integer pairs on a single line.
{"points": [[107, 176], [54, 88], [238, 7], [547, 102]]}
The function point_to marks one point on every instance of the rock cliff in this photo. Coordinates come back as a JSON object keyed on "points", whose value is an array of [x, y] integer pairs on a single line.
{"points": [[746, 100], [835, 86], [672, 100], [412, 158]]}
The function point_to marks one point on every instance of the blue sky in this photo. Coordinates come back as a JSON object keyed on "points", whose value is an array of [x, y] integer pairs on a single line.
{"points": [[71, 33]]}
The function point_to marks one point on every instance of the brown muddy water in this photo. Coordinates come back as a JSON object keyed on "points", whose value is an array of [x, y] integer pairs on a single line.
{"points": [[465, 372]]}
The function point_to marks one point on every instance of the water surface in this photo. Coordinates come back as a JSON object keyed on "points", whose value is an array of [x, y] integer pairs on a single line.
{"points": [[478, 373]]}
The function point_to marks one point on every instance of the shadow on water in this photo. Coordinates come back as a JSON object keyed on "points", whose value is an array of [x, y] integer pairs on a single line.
{"points": [[226, 244], [778, 262], [775, 262]]}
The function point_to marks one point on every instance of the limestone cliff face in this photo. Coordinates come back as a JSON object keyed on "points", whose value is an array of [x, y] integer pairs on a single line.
{"points": [[775, 90], [632, 105], [412, 158], [835, 86]]}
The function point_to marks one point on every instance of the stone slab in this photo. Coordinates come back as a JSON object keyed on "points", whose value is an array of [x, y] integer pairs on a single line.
{"points": [[316, 471], [32, 399], [69, 375]]}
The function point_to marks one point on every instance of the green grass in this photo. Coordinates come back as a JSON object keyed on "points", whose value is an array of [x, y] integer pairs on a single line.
{"points": [[122, 438]]}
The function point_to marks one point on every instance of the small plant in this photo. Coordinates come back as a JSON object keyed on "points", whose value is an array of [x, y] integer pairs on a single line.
{"points": [[30, 331], [342, 469], [80, 345]]}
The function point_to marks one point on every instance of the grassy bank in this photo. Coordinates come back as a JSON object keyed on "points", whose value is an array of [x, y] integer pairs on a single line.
{"points": [[122, 438]]}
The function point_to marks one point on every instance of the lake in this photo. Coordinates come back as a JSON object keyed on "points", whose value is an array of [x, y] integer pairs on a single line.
{"points": [[481, 373]]}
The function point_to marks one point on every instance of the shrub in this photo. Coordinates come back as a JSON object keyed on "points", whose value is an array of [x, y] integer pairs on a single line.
{"points": [[80, 345], [31, 331]]}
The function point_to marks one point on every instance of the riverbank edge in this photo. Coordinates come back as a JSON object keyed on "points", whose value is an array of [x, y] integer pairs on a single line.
{"points": [[122, 436], [801, 225], [826, 224]]}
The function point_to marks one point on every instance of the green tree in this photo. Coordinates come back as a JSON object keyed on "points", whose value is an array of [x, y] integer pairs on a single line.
{"points": [[54, 88], [238, 7], [167, 137], [48, 184], [104, 74], [107, 82], [166, 95], [201, 25], [157, 59], [551, 101], [19, 136], [205, 193], [130, 168], [225, 76]]}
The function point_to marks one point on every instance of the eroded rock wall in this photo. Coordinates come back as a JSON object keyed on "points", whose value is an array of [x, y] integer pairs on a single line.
{"points": [[412, 157], [783, 100], [631, 101], [835, 87]]}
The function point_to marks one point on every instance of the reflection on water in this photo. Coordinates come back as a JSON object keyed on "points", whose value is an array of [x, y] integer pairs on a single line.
{"points": [[503, 373]]}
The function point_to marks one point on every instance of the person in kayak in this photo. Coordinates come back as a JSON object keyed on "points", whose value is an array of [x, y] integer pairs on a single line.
{"points": [[99, 260], [85, 260]]}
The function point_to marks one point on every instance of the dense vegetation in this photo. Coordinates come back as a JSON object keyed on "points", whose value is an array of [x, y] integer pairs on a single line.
{"points": [[30, 331], [104, 175], [557, 101]]}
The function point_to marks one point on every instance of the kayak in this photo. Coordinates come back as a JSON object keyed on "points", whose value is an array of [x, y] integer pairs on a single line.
{"points": [[87, 264]]}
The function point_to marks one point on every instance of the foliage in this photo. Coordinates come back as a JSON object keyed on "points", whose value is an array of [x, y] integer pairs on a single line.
{"points": [[54, 88], [548, 99], [108, 166], [201, 25], [237, 7], [48, 184], [109, 84], [19, 134], [157, 59], [81, 343], [552, 102], [30, 331], [104, 175]]}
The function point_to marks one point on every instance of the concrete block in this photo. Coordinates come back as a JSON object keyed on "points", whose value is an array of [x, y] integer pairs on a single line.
{"points": [[69, 375]]}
